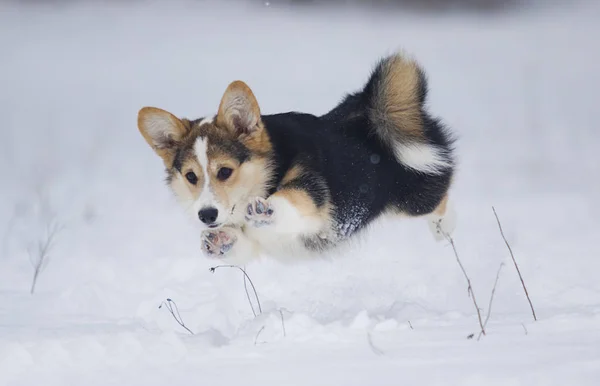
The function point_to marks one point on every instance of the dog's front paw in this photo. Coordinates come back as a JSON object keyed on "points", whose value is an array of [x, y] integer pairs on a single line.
{"points": [[259, 212], [216, 243]]}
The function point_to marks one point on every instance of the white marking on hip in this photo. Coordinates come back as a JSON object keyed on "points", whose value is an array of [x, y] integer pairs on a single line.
{"points": [[422, 157]]}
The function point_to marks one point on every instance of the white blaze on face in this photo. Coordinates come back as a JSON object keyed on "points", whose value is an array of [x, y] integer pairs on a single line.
{"points": [[207, 199]]}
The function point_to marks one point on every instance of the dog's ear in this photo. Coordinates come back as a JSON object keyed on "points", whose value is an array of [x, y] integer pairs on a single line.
{"points": [[239, 112], [162, 130]]}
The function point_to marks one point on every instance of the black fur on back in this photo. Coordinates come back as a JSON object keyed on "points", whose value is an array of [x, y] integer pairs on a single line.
{"points": [[350, 163]]}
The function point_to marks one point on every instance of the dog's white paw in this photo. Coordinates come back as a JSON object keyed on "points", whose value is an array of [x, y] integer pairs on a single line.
{"points": [[259, 212], [217, 243], [442, 226]]}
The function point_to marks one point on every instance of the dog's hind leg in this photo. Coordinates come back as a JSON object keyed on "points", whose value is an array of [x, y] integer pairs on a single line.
{"points": [[442, 221]]}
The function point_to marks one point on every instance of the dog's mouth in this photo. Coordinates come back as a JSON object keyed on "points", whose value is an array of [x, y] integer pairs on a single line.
{"points": [[213, 226]]}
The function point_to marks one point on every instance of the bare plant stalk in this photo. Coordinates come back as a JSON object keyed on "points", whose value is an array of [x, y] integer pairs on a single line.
{"points": [[174, 310], [376, 350], [40, 256], [525, 328], [257, 334], [248, 294], [36, 272], [462, 268], [489, 311], [516, 265], [213, 269], [410, 325], [282, 323]]}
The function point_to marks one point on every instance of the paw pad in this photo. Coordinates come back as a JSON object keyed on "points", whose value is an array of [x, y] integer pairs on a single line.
{"points": [[217, 243], [259, 212]]}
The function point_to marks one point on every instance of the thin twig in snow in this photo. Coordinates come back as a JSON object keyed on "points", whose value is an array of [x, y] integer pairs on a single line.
{"points": [[525, 328], [39, 258], [169, 304], [516, 265], [282, 323], [248, 294], [410, 325], [257, 334], [213, 269], [376, 350], [489, 311], [469, 286]]}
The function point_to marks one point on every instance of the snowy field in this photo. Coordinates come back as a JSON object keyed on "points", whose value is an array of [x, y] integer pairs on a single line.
{"points": [[520, 89]]}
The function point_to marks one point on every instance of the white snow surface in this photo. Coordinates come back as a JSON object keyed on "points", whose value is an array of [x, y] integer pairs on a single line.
{"points": [[519, 88]]}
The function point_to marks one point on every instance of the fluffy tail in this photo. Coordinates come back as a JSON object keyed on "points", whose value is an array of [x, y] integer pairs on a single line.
{"points": [[395, 96], [393, 102]]}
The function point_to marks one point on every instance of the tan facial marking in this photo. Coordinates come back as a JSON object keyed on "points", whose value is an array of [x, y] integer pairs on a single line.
{"points": [[186, 192], [223, 190]]}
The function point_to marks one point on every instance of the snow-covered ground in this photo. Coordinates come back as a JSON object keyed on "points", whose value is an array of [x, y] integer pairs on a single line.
{"points": [[519, 88]]}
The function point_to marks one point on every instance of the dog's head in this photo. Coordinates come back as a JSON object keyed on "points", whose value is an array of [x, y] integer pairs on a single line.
{"points": [[214, 165]]}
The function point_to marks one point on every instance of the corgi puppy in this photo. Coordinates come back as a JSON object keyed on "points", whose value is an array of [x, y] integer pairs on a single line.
{"points": [[293, 184]]}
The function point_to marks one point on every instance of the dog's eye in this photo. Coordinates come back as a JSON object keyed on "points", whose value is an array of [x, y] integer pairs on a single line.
{"points": [[191, 177], [224, 173]]}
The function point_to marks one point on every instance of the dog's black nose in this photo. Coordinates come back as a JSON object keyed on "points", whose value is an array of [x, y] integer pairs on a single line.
{"points": [[208, 215]]}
